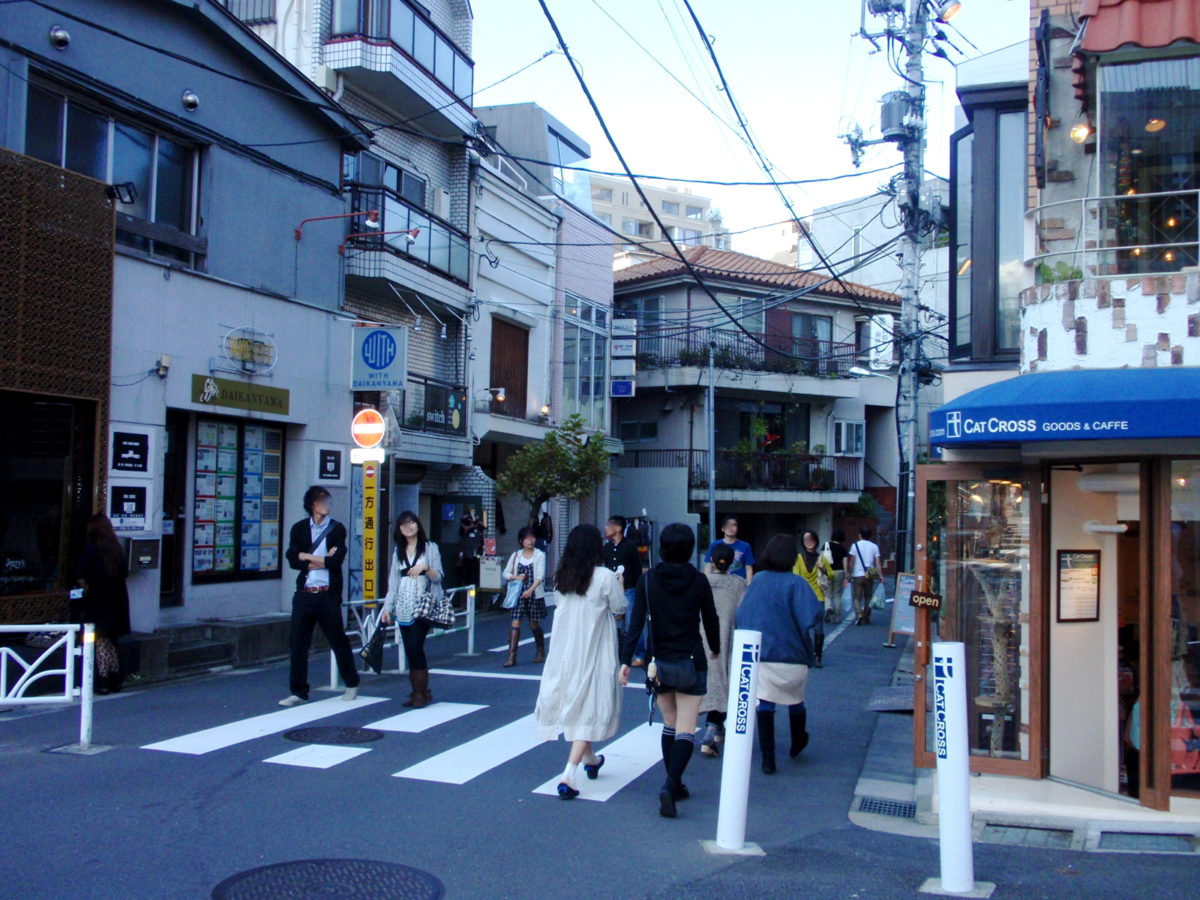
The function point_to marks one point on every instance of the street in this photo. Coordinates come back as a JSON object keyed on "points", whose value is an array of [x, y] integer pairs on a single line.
{"points": [[201, 785]]}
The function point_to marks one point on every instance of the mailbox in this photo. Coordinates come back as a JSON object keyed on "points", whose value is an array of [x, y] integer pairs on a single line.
{"points": [[142, 553]]}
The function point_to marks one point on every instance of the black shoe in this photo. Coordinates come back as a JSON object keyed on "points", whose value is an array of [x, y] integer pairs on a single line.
{"points": [[666, 802], [680, 791], [566, 792], [828, 616], [592, 770]]}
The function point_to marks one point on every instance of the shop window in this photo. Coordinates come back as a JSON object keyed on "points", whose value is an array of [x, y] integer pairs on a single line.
{"points": [[237, 529], [1184, 649], [160, 217]]}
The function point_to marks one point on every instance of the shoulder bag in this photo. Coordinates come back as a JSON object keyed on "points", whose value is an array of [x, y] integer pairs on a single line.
{"points": [[514, 588], [824, 582], [673, 674], [872, 572], [372, 650]]}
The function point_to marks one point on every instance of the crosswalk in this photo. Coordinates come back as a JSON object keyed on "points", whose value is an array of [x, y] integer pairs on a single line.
{"points": [[626, 758]]}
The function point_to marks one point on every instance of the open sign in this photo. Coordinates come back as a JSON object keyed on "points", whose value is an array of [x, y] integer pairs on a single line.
{"points": [[925, 601]]}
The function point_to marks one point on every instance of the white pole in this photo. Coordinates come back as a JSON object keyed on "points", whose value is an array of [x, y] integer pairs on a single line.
{"points": [[739, 739], [953, 767], [85, 689]]}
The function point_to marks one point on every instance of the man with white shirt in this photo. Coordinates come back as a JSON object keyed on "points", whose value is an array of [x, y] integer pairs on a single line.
{"points": [[317, 549], [861, 558]]}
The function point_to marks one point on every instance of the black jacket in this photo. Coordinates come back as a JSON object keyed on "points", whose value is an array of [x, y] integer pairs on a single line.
{"points": [[624, 554], [300, 541], [680, 599]]}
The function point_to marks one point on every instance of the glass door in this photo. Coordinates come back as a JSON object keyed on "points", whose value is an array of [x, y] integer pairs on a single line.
{"points": [[978, 528]]}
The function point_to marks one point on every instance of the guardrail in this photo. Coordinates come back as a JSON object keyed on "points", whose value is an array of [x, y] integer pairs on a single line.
{"points": [[365, 615], [30, 674]]}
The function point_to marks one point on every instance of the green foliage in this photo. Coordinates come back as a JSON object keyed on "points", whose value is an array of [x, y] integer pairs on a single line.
{"points": [[569, 462], [1060, 272], [867, 507]]}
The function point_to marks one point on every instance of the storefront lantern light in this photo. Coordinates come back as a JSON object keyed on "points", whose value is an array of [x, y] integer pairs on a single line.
{"points": [[1080, 132], [1155, 125]]}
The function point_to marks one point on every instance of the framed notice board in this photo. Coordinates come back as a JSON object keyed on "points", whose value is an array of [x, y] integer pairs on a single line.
{"points": [[904, 616]]}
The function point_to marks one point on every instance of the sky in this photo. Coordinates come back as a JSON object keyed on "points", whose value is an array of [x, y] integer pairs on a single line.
{"points": [[796, 68]]}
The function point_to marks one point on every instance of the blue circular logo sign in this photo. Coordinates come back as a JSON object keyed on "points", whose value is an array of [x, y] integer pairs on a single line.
{"points": [[379, 350]]}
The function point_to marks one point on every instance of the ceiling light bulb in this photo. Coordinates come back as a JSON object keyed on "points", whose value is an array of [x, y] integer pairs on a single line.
{"points": [[1155, 125], [1172, 222]]}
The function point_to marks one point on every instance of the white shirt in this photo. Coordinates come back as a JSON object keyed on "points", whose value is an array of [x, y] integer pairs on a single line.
{"points": [[870, 557], [318, 577]]}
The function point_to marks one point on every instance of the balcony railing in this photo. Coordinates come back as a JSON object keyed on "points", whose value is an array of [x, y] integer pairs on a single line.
{"points": [[1127, 234], [755, 471], [406, 28], [433, 406], [252, 12], [663, 348], [438, 245]]}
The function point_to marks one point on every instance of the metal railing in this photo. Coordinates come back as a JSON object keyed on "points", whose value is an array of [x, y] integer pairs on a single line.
{"points": [[31, 672], [737, 470], [252, 12], [438, 245], [428, 404], [662, 348], [363, 618], [1126, 234]]}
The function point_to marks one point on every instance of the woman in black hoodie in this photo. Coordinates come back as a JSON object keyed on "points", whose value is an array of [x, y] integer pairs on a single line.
{"points": [[676, 598]]}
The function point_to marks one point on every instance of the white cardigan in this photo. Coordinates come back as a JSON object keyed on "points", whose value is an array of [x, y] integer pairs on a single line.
{"points": [[539, 568], [432, 557]]}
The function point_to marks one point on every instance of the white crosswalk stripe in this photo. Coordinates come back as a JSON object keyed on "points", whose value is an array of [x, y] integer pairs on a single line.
{"points": [[625, 759], [460, 764], [317, 756], [504, 647], [200, 742], [418, 720]]}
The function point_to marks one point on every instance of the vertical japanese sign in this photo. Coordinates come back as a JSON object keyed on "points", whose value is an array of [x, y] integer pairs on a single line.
{"points": [[370, 484]]}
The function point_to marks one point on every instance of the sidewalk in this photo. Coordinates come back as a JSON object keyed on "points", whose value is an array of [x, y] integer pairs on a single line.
{"points": [[895, 797]]}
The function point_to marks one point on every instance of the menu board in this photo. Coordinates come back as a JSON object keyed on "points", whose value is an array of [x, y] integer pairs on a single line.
{"points": [[1078, 585]]}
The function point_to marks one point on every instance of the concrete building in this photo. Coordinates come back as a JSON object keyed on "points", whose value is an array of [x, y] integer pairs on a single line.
{"points": [[181, 357], [796, 434], [690, 220], [1061, 531]]}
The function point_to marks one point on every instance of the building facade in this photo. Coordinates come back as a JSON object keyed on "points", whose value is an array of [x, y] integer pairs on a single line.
{"points": [[689, 220], [1061, 529]]}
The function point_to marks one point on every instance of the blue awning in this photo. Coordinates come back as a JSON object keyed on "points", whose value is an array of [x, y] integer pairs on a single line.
{"points": [[1080, 404]]}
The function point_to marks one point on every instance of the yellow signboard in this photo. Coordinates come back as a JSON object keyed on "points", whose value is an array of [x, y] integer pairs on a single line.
{"points": [[370, 474]]}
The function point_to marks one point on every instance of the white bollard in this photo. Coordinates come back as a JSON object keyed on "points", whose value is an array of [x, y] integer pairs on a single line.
{"points": [[86, 686], [948, 665], [739, 745]]}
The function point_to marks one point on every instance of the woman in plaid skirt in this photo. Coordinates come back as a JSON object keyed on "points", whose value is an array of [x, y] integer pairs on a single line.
{"points": [[527, 565]]}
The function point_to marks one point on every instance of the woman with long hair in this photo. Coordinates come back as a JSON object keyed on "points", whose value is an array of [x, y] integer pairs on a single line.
{"points": [[727, 590], [811, 565], [580, 695], [416, 567], [527, 565], [102, 571], [782, 606], [676, 599]]}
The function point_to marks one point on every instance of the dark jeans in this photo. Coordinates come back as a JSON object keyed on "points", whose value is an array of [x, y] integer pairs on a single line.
{"points": [[413, 637], [308, 611]]}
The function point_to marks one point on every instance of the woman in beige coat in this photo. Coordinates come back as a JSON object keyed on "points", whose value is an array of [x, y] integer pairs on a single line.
{"points": [[727, 594]]}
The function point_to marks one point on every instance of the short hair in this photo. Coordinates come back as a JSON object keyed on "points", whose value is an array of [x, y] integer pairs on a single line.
{"points": [[806, 532], [780, 554], [725, 520], [312, 495], [722, 557], [864, 532], [838, 535], [676, 543], [526, 531], [619, 521]]}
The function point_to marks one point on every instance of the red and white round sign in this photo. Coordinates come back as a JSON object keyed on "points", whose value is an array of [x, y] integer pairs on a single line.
{"points": [[369, 470], [367, 428]]}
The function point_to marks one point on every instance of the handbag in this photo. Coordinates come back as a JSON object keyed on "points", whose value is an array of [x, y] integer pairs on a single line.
{"points": [[512, 592], [675, 674], [434, 610], [824, 582], [372, 650], [872, 572]]}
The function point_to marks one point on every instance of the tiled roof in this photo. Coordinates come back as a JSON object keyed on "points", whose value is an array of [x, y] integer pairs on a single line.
{"points": [[1109, 24], [726, 266]]}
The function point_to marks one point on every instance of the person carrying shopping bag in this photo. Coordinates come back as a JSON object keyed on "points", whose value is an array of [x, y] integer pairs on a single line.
{"points": [[527, 566]]}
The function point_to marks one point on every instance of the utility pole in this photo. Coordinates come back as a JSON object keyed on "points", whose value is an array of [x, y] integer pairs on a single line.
{"points": [[710, 425]]}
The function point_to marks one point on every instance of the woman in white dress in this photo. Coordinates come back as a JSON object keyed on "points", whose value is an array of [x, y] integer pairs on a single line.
{"points": [[580, 695]]}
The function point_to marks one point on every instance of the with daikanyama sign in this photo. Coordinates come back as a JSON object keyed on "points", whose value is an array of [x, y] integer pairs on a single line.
{"points": [[367, 428]]}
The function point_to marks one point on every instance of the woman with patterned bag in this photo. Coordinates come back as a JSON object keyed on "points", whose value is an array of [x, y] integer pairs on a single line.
{"points": [[415, 573]]}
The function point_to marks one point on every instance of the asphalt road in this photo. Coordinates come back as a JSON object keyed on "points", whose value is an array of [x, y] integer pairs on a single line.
{"points": [[159, 823]]}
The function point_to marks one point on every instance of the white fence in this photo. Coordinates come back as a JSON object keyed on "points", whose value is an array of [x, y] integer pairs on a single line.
{"points": [[31, 672]]}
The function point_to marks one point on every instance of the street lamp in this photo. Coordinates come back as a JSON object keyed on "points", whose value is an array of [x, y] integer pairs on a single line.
{"points": [[410, 233], [372, 220]]}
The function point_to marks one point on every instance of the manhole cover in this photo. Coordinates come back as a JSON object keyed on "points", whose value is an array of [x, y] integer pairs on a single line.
{"points": [[333, 735], [345, 879], [900, 809]]}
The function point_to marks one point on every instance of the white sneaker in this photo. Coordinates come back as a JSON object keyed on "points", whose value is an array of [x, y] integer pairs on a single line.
{"points": [[350, 694], [292, 700]]}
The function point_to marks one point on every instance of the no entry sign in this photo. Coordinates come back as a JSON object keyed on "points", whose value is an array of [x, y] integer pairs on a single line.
{"points": [[367, 428]]}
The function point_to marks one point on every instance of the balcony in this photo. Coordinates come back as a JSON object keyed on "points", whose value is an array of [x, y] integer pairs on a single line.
{"points": [[389, 49], [1116, 283], [438, 247], [671, 348], [740, 471], [252, 12], [432, 415]]}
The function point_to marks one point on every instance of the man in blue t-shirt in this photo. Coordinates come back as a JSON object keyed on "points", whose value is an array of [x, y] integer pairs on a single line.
{"points": [[743, 555]]}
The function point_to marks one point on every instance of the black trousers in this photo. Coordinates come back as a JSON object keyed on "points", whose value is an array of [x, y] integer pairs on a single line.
{"points": [[308, 611], [413, 637]]}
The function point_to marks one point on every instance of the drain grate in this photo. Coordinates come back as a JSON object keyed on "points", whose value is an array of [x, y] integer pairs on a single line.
{"points": [[1024, 836], [897, 698], [349, 879], [899, 809], [1147, 843], [333, 735]]}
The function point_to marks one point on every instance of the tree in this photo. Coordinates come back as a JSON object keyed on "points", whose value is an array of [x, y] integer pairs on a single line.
{"points": [[568, 462]]}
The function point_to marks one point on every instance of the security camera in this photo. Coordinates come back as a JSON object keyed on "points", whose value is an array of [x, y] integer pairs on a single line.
{"points": [[190, 101], [60, 38]]}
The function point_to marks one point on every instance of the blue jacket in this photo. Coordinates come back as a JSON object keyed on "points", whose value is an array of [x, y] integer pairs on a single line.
{"points": [[783, 607]]}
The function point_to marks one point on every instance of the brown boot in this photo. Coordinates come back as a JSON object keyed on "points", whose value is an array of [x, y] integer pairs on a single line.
{"points": [[539, 641], [421, 695], [514, 638]]}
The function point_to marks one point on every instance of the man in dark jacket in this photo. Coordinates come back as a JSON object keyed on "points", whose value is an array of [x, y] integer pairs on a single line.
{"points": [[317, 549]]}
